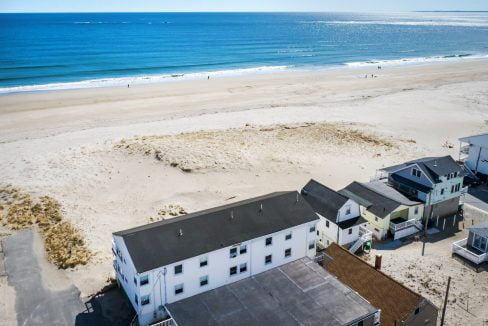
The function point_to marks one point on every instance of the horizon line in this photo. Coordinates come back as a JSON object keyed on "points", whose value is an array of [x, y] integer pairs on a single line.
{"points": [[240, 11]]}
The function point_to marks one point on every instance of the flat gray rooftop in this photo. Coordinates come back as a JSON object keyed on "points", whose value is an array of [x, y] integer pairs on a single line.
{"points": [[298, 293]]}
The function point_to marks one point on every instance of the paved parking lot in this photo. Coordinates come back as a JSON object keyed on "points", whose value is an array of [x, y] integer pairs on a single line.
{"points": [[36, 304]]}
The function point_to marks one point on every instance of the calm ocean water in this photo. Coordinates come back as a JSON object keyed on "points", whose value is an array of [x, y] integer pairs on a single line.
{"points": [[56, 51]]}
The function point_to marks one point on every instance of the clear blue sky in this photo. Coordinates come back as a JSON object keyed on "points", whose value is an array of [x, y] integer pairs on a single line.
{"points": [[237, 5]]}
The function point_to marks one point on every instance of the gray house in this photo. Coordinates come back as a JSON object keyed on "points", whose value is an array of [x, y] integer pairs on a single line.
{"points": [[436, 181], [475, 246]]}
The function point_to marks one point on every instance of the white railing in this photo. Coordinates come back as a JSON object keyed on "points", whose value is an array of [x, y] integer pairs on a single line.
{"points": [[166, 322], [394, 227], [364, 235], [458, 248]]}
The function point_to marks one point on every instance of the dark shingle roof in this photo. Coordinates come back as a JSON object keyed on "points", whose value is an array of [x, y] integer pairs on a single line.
{"points": [[434, 167], [410, 183], [159, 244], [395, 300], [352, 222], [380, 205], [323, 200], [480, 229], [388, 191]]}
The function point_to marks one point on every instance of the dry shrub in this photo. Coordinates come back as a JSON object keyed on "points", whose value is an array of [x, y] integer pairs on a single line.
{"points": [[64, 245], [168, 211]]}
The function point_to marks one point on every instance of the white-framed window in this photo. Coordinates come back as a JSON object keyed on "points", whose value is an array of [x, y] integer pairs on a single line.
{"points": [[204, 280], [287, 252], [288, 236], [327, 224], [416, 172], [312, 228], [144, 279], [349, 231], [348, 209], [243, 249], [145, 300], [416, 210], [311, 244], [233, 252], [178, 269], [243, 268], [203, 261], [268, 259], [233, 270], [479, 242], [179, 288], [269, 241]]}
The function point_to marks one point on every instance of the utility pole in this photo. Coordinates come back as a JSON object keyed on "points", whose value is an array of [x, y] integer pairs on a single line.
{"points": [[445, 301]]}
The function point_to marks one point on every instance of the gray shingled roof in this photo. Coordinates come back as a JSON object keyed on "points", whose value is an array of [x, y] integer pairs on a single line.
{"points": [[388, 191], [298, 293], [323, 200], [159, 244], [380, 205], [434, 167], [480, 229]]}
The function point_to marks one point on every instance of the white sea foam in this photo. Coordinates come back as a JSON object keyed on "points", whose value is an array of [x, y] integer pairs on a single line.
{"points": [[405, 23], [138, 80], [413, 61]]}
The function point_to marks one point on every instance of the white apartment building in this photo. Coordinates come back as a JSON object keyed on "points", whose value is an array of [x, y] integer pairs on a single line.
{"points": [[168, 261]]}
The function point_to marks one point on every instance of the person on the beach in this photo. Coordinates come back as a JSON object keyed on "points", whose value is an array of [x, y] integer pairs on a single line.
{"points": [[128, 85], [208, 77]]}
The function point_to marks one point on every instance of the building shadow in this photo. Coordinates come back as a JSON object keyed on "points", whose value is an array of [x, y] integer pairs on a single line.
{"points": [[109, 307], [469, 264]]}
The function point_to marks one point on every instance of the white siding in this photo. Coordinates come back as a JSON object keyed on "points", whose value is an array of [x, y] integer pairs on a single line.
{"points": [[353, 208], [162, 281], [478, 165], [327, 235], [438, 196], [407, 173]]}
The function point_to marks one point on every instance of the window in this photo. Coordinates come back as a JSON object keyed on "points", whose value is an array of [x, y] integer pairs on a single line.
{"points": [[203, 261], [448, 176], [136, 300], [327, 224], [360, 323], [135, 281], [144, 280], [178, 269], [311, 244], [458, 186], [452, 189], [479, 242], [455, 174], [417, 311], [268, 259], [243, 249], [442, 191], [348, 210], [144, 300], [204, 280], [416, 173], [269, 241], [233, 270], [312, 228], [416, 210], [349, 231], [243, 268], [288, 236], [318, 233], [288, 252], [233, 252], [178, 289], [376, 219]]}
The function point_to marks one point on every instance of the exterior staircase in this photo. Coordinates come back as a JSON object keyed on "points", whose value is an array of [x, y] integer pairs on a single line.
{"points": [[364, 236]]}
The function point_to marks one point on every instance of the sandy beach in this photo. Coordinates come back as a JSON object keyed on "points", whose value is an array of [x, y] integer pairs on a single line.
{"points": [[118, 157]]}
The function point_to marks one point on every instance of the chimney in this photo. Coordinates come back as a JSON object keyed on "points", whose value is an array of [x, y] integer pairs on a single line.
{"points": [[377, 262]]}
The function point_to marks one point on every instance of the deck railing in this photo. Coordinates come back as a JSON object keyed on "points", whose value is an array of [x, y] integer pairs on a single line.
{"points": [[166, 322], [459, 248], [365, 234], [394, 227]]}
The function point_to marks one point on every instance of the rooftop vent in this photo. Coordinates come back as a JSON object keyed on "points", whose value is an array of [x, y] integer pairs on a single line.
{"points": [[297, 198], [435, 162], [261, 207], [231, 215], [180, 232]]}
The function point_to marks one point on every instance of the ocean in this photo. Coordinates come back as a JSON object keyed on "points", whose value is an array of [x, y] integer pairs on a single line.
{"points": [[61, 51]]}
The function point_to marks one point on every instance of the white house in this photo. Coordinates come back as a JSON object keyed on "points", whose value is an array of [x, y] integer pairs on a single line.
{"points": [[340, 218], [474, 153], [167, 261], [436, 181]]}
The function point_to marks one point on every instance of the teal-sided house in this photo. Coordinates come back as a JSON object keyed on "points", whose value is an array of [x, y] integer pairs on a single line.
{"points": [[475, 246]]}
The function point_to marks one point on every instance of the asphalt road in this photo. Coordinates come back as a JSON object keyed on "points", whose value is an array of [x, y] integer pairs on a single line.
{"points": [[35, 304]]}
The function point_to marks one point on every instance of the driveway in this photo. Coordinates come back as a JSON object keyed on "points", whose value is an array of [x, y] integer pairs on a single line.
{"points": [[478, 197], [35, 304]]}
